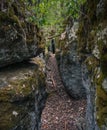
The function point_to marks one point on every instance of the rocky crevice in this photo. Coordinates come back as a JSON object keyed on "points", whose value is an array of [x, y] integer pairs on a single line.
{"points": [[88, 51], [82, 63], [61, 112]]}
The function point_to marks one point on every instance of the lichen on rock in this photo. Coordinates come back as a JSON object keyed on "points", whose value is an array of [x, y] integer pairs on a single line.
{"points": [[94, 50], [20, 39], [69, 64], [22, 91]]}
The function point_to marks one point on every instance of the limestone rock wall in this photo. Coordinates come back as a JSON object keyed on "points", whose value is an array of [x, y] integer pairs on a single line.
{"points": [[69, 63], [92, 49], [22, 95], [20, 38]]}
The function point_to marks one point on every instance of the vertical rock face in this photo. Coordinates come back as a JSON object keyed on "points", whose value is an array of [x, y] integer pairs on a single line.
{"points": [[70, 66], [92, 48], [70, 69], [20, 39], [22, 85], [22, 96]]}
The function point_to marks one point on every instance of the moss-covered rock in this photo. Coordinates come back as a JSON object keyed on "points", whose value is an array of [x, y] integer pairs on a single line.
{"points": [[101, 100], [20, 39], [93, 45], [18, 86]]}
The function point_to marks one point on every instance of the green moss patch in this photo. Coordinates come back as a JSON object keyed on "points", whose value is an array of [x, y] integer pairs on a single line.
{"points": [[104, 64], [91, 63], [101, 105], [101, 100]]}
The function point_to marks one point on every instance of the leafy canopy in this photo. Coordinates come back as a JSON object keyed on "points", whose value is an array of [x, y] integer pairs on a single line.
{"points": [[51, 12]]}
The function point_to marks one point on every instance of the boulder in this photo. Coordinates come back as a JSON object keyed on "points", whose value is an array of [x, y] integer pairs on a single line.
{"points": [[70, 69], [69, 64], [22, 96], [20, 38]]}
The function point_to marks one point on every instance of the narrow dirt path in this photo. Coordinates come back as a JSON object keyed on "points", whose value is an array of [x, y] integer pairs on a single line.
{"points": [[61, 112]]}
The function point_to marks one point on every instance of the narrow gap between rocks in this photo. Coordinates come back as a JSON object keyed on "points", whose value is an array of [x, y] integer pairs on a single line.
{"points": [[61, 112]]}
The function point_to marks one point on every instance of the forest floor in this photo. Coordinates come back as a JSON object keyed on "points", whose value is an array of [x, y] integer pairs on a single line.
{"points": [[61, 112]]}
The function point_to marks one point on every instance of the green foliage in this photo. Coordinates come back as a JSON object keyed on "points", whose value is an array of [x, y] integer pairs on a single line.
{"points": [[53, 12], [48, 12]]}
